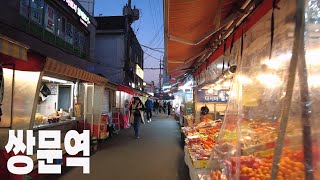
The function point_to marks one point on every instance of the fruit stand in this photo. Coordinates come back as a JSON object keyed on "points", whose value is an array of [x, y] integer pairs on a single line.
{"points": [[271, 126], [199, 142]]}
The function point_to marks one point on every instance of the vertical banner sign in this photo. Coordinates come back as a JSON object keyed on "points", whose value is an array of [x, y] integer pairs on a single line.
{"points": [[24, 8], [69, 32], [36, 11], [216, 96], [49, 18]]}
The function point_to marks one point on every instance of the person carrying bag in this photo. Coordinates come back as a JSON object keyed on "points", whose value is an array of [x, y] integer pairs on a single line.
{"points": [[136, 115]]}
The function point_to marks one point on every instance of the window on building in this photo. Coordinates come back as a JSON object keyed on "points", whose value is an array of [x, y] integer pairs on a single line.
{"points": [[69, 33], [76, 37], [84, 42], [24, 8], [60, 21], [49, 18], [37, 11]]}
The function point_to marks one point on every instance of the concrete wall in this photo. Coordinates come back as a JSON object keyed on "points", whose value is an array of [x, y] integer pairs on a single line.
{"points": [[109, 52]]}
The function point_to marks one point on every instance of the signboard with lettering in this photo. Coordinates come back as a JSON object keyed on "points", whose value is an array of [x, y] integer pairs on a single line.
{"points": [[139, 71], [84, 19], [49, 18], [215, 96]]}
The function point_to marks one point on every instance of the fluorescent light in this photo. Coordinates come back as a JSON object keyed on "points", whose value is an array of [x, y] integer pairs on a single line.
{"points": [[220, 66], [244, 79], [188, 83], [166, 87], [54, 79], [269, 80], [227, 84]]}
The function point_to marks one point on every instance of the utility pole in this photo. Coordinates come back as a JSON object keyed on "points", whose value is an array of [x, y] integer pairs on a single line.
{"points": [[160, 74]]}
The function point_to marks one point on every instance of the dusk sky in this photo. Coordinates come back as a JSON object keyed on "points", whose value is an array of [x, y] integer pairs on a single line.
{"points": [[149, 28]]}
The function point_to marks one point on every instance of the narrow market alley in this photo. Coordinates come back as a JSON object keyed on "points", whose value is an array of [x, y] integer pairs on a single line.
{"points": [[157, 155]]}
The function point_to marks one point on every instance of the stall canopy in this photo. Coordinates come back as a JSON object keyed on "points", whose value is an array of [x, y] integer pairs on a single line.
{"points": [[125, 89], [194, 29], [59, 68]]}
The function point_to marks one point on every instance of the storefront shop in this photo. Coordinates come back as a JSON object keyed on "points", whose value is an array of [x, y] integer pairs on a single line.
{"points": [[269, 128], [41, 93], [183, 103]]}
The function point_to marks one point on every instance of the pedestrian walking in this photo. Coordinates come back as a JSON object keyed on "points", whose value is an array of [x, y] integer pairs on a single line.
{"points": [[156, 107], [136, 117], [148, 104], [169, 108], [164, 106], [160, 106]]}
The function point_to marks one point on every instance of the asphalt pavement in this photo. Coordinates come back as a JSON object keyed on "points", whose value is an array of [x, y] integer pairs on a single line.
{"points": [[157, 155]]}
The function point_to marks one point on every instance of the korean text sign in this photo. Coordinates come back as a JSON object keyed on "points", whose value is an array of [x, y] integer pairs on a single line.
{"points": [[215, 96], [49, 151]]}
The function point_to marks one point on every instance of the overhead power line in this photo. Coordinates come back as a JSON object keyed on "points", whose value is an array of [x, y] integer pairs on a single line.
{"points": [[152, 56], [151, 48]]}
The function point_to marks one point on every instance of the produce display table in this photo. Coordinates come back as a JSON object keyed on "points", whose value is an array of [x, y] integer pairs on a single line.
{"points": [[195, 174]]}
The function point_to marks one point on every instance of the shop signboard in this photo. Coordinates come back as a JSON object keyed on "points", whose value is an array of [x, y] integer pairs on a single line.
{"points": [[84, 18], [215, 96], [139, 71], [49, 18]]}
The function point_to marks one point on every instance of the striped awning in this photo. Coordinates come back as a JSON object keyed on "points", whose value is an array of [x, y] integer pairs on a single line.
{"points": [[59, 68], [14, 49]]}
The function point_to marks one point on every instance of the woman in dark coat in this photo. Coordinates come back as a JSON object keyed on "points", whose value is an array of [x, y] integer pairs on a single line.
{"points": [[136, 117]]}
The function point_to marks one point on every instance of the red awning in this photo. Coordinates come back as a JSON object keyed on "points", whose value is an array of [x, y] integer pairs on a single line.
{"points": [[261, 11], [34, 62], [194, 30], [190, 26], [125, 89]]}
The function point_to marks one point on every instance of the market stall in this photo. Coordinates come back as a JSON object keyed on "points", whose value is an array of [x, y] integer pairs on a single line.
{"points": [[212, 94], [40, 93], [270, 125], [69, 98], [121, 112], [183, 102], [270, 129]]}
